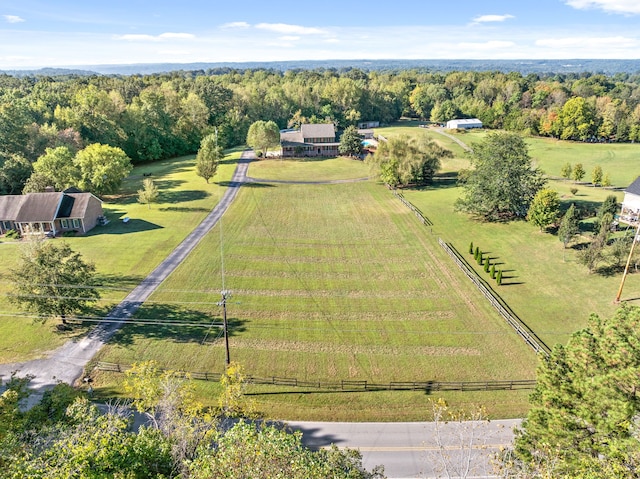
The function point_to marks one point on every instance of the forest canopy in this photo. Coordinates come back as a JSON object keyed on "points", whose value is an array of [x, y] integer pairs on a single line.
{"points": [[165, 115]]}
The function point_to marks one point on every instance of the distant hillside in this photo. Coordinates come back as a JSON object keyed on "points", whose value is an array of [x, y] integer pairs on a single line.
{"points": [[609, 67]]}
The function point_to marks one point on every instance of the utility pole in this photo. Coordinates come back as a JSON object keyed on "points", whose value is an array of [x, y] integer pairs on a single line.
{"points": [[225, 294], [626, 268]]}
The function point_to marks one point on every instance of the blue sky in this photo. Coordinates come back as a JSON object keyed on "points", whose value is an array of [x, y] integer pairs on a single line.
{"points": [[37, 33]]}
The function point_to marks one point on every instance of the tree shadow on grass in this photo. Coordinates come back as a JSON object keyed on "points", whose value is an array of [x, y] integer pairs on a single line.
{"points": [[182, 196], [117, 227], [186, 209], [117, 281], [176, 324], [248, 184]]}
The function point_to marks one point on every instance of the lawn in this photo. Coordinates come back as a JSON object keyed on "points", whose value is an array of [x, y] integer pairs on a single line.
{"points": [[330, 282], [123, 253], [309, 169], [545, 285]]}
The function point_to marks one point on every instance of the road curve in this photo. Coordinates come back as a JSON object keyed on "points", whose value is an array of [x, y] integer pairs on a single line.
{"points": [[66, 363]]}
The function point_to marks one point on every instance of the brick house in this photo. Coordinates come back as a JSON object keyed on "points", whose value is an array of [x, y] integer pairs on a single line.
{"points": [[50, 212], [310, 140]]}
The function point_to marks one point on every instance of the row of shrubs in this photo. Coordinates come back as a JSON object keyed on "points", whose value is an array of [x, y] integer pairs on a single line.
{"points": [[486, 262]]}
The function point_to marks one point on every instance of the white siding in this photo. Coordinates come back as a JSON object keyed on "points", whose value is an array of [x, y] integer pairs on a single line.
{"points": [[631, 202]]}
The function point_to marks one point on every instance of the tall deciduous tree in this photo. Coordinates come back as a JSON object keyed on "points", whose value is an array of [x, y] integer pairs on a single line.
{"points": [[57, 165], [262, 136], [101, 168], [53, 281], [503, 180], [583, 420], [208, 157], [350, 142], [14, 173], [544, 209]]}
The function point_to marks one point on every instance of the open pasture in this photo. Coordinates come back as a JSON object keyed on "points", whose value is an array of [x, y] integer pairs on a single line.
{"points": [[330, 283]]}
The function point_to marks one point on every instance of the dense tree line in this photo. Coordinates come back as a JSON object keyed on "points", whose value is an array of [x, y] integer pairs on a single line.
{"points": [[164, 115]]}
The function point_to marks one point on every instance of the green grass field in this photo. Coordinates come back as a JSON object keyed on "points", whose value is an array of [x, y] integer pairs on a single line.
{"points": [[330, 283]]}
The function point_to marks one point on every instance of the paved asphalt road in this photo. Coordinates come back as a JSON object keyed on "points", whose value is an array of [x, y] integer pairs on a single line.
{"points": [[66, 363], [412, 450]]}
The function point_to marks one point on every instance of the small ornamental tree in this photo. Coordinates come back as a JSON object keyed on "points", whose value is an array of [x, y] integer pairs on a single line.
{"points": [[578, 172], [471, 248], [596, 175], [499, 277], [486, 265], [606, 181], [149, 192], [544, 209], [477, 253], [493, 271], [566, 171]]}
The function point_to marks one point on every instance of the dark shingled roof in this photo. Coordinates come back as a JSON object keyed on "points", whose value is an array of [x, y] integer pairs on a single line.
{"points": [[634, 188], [38, 207], [43, 207], [322, 130], [10, 207]]}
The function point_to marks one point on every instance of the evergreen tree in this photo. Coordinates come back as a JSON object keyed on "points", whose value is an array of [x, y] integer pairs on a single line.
{"points": [[583, 420], [569, 226]]}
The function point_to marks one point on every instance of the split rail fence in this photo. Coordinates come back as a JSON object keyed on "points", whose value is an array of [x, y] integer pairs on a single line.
{"points": [[351, 385]]}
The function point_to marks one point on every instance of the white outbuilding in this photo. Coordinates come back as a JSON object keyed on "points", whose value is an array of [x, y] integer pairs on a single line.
{"points": [[465, 123]]}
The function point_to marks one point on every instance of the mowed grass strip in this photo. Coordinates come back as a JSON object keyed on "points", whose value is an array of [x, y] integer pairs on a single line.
{"points": [[330, 282], [308, 169], [123, 253]]}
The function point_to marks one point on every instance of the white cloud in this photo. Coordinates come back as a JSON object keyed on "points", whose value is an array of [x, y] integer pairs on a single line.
{"points": [[287, 29], [132, 37], [492, 18], [13, 19], [613, 6], [289, 38], [588, 42], [235, 25]]}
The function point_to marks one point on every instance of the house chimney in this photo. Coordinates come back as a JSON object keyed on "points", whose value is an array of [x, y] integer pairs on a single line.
{"points": [[49, 189]]}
